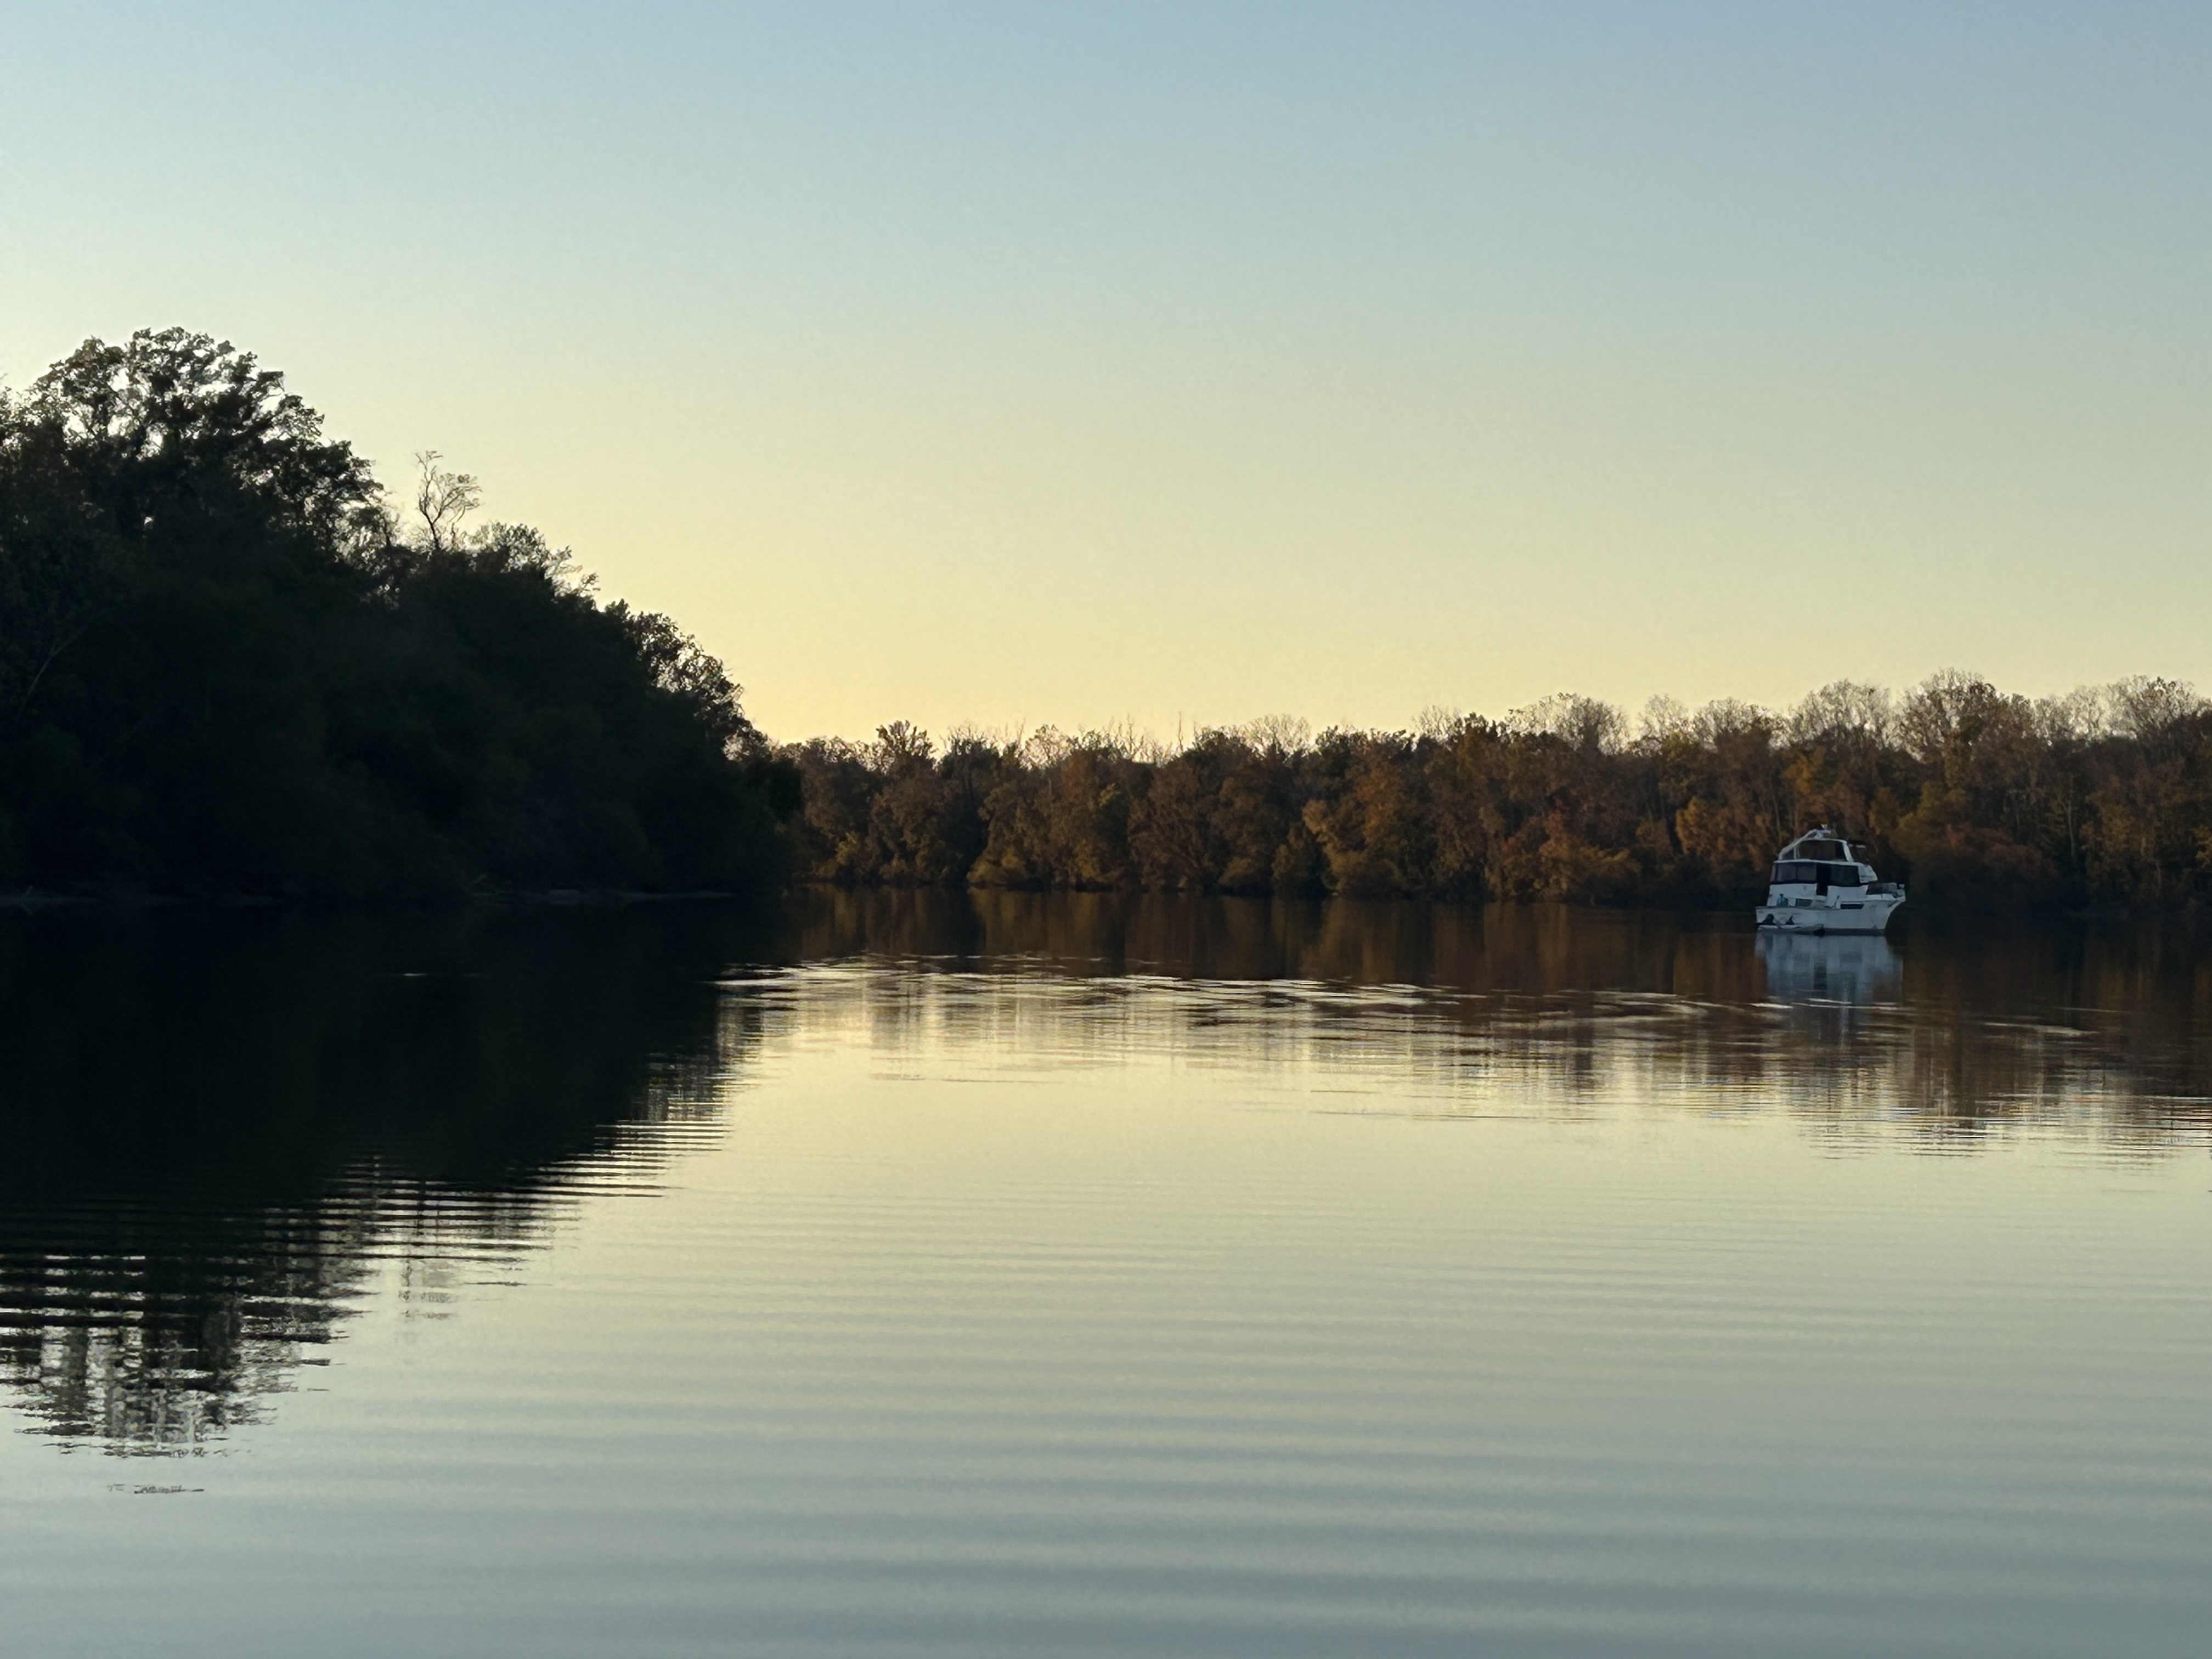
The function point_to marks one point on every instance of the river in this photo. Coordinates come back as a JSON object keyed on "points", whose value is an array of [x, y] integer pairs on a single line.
{"points": [[1016, 1274]]}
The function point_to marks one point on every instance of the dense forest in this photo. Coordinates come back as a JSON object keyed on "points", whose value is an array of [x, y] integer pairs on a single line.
{"points": [[228, 665], [2101, 798]]}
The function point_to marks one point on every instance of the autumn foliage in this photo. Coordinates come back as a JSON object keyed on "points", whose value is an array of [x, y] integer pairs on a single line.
{"points": [[1966, 791]]}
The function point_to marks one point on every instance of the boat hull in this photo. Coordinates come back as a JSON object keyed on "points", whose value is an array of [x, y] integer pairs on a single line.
{"points": [[1868, 915]]}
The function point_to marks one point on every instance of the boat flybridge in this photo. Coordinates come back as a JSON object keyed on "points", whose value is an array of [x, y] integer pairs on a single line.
{"points": [[1821, 886]]}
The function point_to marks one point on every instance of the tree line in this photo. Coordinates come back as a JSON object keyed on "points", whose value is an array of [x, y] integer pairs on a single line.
{"points": [[1969, 792], [229, 665]]}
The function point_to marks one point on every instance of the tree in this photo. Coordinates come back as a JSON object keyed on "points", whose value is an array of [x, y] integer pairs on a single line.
{"points": [[223, 669]]}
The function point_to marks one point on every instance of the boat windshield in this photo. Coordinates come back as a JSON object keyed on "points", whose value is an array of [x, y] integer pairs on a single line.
{"points": [[1829, 875], [1820, 850]]}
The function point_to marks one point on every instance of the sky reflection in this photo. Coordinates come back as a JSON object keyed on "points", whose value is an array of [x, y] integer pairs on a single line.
{"points": [[227, 1137]]}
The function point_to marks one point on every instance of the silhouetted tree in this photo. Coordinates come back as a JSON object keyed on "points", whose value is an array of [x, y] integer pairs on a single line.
{"points": [[224, 668]]}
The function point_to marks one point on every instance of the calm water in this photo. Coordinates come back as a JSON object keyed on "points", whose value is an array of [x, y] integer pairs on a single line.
{"points": [[1086, 1276]]}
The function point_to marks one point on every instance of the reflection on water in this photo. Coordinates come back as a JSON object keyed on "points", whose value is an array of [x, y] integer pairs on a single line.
{"points": [[1857, 969], [217, 1130], [915, 1274], [2063, 1028], [221, 1134]]}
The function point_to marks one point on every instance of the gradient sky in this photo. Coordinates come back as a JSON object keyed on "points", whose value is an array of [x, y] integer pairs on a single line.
{"points": [[1182, 363]]}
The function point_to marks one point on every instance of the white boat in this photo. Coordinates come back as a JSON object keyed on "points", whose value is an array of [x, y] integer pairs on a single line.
{"points": [[1821, 885]]}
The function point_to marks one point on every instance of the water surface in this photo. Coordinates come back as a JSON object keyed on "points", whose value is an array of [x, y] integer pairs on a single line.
{"points": [[929, 1275]]}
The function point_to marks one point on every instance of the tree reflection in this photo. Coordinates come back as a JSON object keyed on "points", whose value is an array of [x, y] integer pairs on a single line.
{"points": [[217, 1129], [221, 1134], [1948, 1036]]}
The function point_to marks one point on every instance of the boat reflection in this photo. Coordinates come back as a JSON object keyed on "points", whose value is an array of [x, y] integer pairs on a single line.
{"points": [[1859, 970]]}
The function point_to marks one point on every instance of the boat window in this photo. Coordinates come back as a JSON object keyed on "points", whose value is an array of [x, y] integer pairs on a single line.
{"points": [[1840, 875], [1795, 869], [1820, 850]]}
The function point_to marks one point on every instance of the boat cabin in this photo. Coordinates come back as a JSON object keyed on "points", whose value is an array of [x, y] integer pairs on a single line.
{"points": [[1821, 859]]}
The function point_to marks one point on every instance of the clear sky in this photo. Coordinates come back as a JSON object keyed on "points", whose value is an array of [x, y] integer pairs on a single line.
{"points": [[1187, 362]]}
